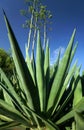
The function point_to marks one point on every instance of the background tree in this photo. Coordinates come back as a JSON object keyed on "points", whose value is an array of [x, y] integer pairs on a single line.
{"points": [[6, 62]]}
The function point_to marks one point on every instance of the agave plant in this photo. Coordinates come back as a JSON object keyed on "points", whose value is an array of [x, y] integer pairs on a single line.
{"points": [[45, 100]]}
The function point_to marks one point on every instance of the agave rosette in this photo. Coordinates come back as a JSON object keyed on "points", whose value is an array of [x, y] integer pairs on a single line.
{"points": [[46, 93]]}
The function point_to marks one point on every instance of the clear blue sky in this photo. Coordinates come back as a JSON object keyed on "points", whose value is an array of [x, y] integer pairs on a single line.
{"points": [[67, 15]]}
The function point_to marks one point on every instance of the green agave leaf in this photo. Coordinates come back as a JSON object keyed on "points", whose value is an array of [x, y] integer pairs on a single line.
{"points": [[6, 125], [47, 64], [15, 97], [82, 82], [67, 128], [73, 85], [74, 50], [33, 62], [46, 73], [23, 111], [68, 78], [79, 107], [59, 77], [23, 72], [79, 118], [52, 126], [63, 105], [21, 67], [73, 125], [28, 60], [78, 90], [8, 111], [10, 88], [66, 117], [69, 95], [39, 72], [72, 55], [7, 98], [11, 92], [53, 70], [4, 118]]}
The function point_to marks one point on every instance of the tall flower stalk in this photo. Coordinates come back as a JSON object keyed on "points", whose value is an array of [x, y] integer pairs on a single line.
{"points": [[38, 21]]}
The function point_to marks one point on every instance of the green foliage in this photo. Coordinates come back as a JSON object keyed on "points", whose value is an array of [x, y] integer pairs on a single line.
{"points": [[48, 98], [6, 62]]}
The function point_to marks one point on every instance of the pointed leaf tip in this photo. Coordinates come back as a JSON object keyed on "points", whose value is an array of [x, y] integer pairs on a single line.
{"points": [[6, 20], [3, 11], [74, 31]]}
